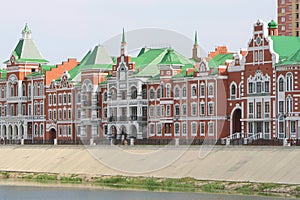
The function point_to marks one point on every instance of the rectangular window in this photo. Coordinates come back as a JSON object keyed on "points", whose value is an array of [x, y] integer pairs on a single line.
{"points": [[23, 109], [177, 110], [144, 111], [184, 109], [251, 108], [258, 87], [194, 128], [162, 111], [202, 109], [267, 127], [202, 90], [50, 114], [293, 126], [54, 99], [194, 109], [60, 99], [250, 88], [70, 114], [211, 108], [65, 99], [152, 129], [158, 129], [158, 111], [282, 19], [54, 114], [151, 112], [267, 86], [281, 127], [258, 109], [177, 129], [184, 129], [50, 99], [42, 129], [69, 98], [168, 111], [29, 110], [202, 129], [267, 107], [250, 127], [281, 106], [79, 113], [211, 128]]}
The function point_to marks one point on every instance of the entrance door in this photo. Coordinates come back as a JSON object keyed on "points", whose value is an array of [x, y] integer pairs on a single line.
{"points": [[52, 134], [236, 121]]}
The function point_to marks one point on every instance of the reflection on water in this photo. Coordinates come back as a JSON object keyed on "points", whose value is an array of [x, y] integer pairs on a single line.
{"points": [[47, 193]]}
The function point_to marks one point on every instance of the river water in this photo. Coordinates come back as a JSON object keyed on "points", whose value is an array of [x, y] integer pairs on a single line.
{"points": [[53, 193]]}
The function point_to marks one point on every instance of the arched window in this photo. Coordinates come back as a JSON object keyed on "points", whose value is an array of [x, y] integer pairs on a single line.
{"points": [[280, 84], [42, 89], [144, 94], [289, 81], [158, 93], [211, 90], [168, 91], [12, 91], [194, 91], [42, 108], [35, 90], [233, 91], [151, 93], [36, 129], [177, 92], [133, 93], [113, 93], [23, 90], [184, 91]]}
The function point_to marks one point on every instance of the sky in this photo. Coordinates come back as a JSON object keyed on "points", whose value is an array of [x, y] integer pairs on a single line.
{"points": [[65, 29]]}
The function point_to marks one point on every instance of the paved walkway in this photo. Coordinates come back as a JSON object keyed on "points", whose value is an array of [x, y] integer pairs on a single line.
{"points": [[255, 164]]}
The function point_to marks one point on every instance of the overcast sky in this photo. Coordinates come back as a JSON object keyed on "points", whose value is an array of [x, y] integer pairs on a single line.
{"points": [[69, 28]]}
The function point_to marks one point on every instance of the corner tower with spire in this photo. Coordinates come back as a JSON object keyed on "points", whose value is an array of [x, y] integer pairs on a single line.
{"points": [[196, 48], [123, 43]]}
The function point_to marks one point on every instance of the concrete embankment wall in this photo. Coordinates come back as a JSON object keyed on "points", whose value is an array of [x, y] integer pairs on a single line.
{"points": [[255, 164]]}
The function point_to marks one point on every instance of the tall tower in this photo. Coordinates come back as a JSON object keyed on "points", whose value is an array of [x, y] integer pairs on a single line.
{"points": [[123, 44], [196, 48], [288, 17]]}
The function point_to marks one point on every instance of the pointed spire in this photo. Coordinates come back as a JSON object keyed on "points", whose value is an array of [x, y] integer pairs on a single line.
{"points": [[123, 44], [196, 38], [123, 37], [26, 32]]}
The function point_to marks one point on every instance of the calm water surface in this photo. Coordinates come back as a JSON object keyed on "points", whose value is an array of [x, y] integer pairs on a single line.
{"points": [[47, 193]]}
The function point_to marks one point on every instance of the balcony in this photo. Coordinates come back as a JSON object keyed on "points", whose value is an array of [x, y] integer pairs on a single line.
{"points": [[16, 99]]}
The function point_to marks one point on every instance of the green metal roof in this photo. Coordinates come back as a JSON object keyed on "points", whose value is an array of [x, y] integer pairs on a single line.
{"points": [[76, 70], [219, 59], [34, 74], [183, 71], [293, 59], [46, 68], [174, 58], [272, 24], [3, 73], [27, 51], [285, 46], [147, 62]]}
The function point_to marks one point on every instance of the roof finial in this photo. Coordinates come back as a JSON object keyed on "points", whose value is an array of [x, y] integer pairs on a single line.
{"points": [[196, 38], [26, 32], [123, 36]]}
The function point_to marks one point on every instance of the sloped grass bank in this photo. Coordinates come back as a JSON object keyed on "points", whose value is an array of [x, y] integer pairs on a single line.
{"points": [[160, 184]]}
